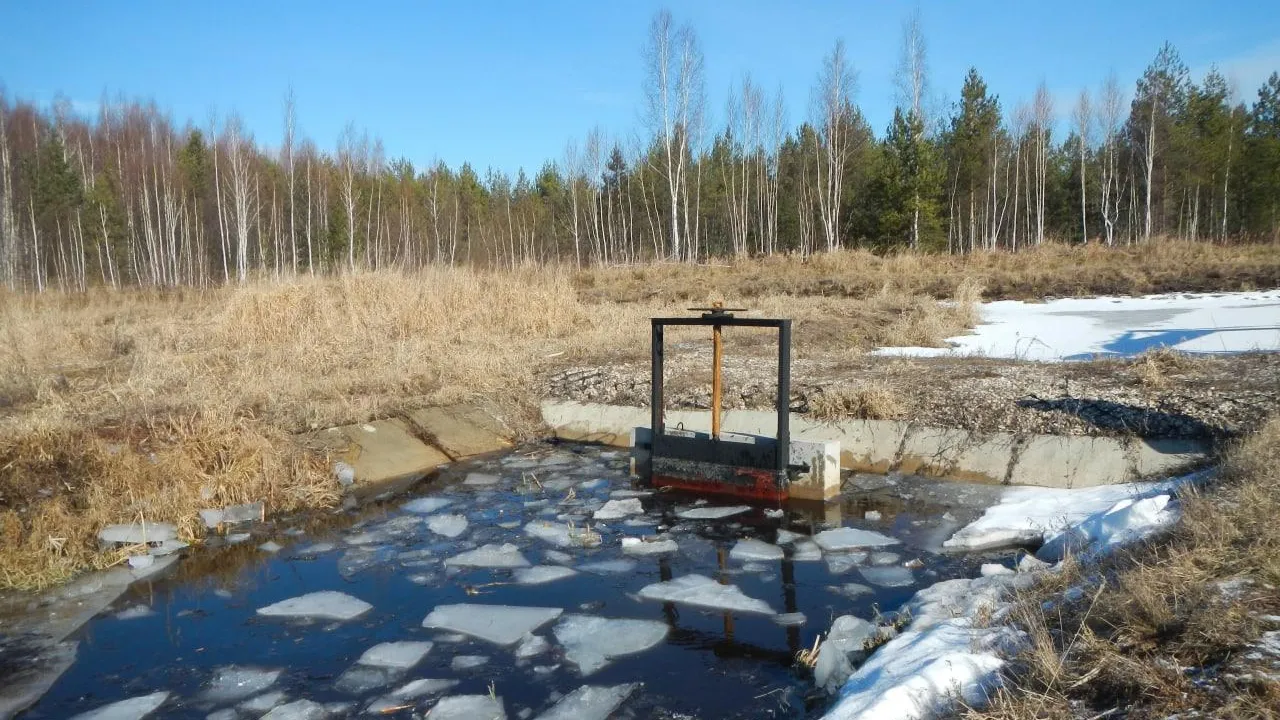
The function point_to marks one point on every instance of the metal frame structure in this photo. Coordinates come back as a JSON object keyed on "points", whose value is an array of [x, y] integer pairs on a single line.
{"points": [[756, 469]]}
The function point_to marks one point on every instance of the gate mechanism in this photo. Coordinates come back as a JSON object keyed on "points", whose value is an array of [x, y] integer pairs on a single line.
{"points": [[729, 463]]}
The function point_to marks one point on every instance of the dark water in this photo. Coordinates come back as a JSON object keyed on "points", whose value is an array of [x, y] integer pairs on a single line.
{"points": [[712, 664]]}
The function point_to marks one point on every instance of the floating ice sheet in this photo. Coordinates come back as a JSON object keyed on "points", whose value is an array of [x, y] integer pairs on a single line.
{"points": [[847, 538], [609, 567], [531, 646], [541, 574], [481, 479], [618, 509], [590, 642], [234, 683], [450, 526], [888, 576], [703, 592], [561, 534], [263, 703], [468, 707], [425, 505], [360, 679], [749, 549], [325, 604], [590, 703], [468, 662], [711, 512], [403, 654], [499, 624], [131, 709], [806, 551], [298, 710], [649, 546], [490, 556]]}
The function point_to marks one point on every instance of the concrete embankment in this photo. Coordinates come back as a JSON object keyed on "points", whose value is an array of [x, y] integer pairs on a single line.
{"points": [[879, 446]]}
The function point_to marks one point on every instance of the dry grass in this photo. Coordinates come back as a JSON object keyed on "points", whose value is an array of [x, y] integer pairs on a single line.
{"points": [[1160, 367], [1052, 270], [862, 402], [1156, 634], [119, 405]]}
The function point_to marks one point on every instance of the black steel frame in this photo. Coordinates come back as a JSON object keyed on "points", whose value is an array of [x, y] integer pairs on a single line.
{"points": [[684, 448]]}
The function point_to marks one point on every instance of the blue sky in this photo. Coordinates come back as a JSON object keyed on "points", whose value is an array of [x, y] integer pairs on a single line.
{"points": [[507, 84]]}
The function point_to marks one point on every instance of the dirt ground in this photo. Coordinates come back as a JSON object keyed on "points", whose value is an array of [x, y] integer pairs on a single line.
{"points": [[1157, 395]]}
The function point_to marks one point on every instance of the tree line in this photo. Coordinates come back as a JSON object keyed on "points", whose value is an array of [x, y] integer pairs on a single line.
{"points": [[131, 198]]}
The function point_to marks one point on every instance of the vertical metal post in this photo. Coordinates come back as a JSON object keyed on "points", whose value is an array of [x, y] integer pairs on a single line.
{"points": [[716, 357], [784, 395], [655, 382]]}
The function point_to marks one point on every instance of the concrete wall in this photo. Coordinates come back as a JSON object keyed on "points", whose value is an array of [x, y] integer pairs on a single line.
{"points": [[1062, 461]]}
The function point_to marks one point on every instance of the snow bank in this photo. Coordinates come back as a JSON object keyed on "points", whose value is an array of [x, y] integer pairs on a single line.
{"points": [[1125, 522], [1080, 328], [957, 642], [1032, 515]]}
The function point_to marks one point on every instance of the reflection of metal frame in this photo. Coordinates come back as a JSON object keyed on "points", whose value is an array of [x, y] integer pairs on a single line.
{"points": [[745, 465]]}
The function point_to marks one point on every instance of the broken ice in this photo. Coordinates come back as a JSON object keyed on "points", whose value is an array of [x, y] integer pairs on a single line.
{"points": [[749, 549], [425, 505], [490, 556], [326, 604], [541, 574], [498, 624], [468, 707], [712, 513], [234, 683], [847, 538], [618, 509], [888, 576], [404, 654], [590, 703], [450, 526], [131, 709], [590, 642], [703, 592]]}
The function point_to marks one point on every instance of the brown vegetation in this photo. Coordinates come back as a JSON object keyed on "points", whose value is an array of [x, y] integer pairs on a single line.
{"points": [[1167, 629], [1052, 270], [119, 405]]}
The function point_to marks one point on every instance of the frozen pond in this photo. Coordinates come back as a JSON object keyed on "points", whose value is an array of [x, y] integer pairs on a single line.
{"points": [[1084, 328], [542, 586]]}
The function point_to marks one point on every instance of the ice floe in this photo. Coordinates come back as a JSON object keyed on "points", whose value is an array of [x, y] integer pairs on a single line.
{"points": [[468, 662], [468, 707], [450, 526], [590, 642], [562, 535], [498, 624], [403, 654], [649, 545], [618, 509], [131, 709], [531, 646], [425, 505], [234, 682], [492, 555], [481, 479], [887, 576], [711, 512], [298, 710], [609, 567], [325, 604], [847, 538], [749, 549], [590, 703], [541, 574], [702, 592]]}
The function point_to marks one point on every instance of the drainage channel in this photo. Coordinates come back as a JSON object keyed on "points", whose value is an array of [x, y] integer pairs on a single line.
{"points": [[524, 585]]}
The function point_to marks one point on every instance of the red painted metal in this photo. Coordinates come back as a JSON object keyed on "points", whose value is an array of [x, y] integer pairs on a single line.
{"points": [[763, 487]]}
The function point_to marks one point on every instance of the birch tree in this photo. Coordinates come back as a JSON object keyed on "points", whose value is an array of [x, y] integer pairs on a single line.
{"points": [[1042, 121], [833, 115], [242, 191], [673, 112], [1083, 117], [1110, 107]]}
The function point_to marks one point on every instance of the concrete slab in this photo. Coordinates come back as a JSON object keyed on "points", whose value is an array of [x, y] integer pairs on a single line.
{"points": [[1070, 462], [461, 431], [957, 454], [1160, 458], [385, 454], [878, 446], [823, 480]]}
